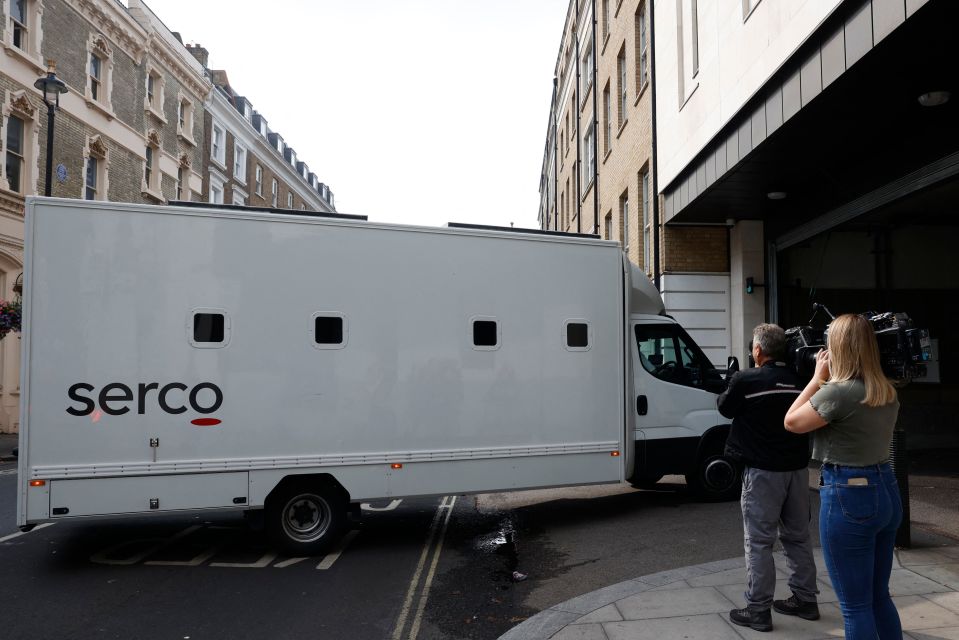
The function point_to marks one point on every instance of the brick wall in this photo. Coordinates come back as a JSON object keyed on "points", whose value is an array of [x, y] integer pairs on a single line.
{"points": [[695, 249]]}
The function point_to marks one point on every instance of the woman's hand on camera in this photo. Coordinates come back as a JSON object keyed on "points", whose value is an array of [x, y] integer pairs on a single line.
{"points": [[822, 366]]}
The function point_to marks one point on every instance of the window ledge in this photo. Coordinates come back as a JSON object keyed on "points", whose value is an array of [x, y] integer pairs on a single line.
{"points": [[691, 93], [621, 127], [149, 108], [99, 106], [185, 137], [148, 192], [640, 93], [33, 60], [589, 187], [605, 42], [217, 163], [585, 99], [609, 152]]}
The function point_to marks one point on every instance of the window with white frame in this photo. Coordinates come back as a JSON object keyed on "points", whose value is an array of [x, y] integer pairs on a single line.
{"points": [[179, 182], [96, 76], [90, 182], [22, 31], [95, 170], [216, 190], [19, 21], [15, 151], [608, 120], [605, 19], [623, 215], [623, 95], [153, 101], [608, 229], [151, 171], [289, 200], [99, 68], [239, 198], [259, 180], [646, 217], [239, 162], [589, 153], [642, 47], [184, 119], [275, 193], [586, 72], [218, 144], [694, 38], [688, 48]]}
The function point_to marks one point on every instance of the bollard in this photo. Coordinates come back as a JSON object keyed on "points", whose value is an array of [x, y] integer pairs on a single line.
{"points": [[899, 461]]}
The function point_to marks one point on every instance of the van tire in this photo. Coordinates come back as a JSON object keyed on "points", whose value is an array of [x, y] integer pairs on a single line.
{"points": [[716, 478], [305, 519]]}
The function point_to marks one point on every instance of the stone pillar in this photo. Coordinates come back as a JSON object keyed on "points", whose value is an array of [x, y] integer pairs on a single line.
{"points": [[746, 260]]}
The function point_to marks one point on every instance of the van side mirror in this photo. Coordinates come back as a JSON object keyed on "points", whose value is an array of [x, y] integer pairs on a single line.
{"points": [[732, 366]]}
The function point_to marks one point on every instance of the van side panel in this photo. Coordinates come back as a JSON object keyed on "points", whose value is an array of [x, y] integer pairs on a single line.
{"points": [[117, 384]]}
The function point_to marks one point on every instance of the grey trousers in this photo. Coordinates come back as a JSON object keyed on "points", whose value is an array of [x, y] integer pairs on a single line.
{"points": [[777, 502]]}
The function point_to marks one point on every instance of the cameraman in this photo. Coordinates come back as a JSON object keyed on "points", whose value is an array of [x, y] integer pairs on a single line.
{"points": [[775, 497]]}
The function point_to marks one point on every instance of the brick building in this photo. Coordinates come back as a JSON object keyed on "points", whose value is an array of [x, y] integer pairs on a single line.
{"points": [[599, 171], [134, 126], [245, 162]]}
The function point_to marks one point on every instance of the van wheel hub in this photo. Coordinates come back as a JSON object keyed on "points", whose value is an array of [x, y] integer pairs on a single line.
{"points": [[719, 474]]}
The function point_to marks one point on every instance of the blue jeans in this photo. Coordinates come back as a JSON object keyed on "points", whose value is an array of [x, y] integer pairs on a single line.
{"points": [[857, 529]]}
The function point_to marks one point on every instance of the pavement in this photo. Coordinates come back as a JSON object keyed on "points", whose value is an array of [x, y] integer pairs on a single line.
{"points": [[8, 442], [693, 603]]}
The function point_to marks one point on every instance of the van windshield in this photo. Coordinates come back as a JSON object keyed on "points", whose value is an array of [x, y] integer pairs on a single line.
{"points": [[667, 352]]}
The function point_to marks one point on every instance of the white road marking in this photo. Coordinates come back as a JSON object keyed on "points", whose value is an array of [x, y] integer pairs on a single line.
{"points": [[259, 564], [8, 472], [414, 584], [195, 561], [424, 596], [101, 557], [288, 563], [330, 558], [392, 505], [23, 533]]}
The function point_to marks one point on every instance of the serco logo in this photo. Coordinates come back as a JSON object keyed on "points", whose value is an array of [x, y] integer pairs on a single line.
{"points": [[117, 399]]}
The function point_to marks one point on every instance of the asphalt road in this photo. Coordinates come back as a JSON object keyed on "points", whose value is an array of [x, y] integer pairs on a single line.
{"points": [[414, 569]]}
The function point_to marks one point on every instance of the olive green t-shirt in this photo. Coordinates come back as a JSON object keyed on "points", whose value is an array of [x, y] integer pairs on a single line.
{"points": [[857, 435]]}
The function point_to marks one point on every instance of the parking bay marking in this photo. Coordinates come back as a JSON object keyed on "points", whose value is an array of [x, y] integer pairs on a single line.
{"points": [[23, 533]]}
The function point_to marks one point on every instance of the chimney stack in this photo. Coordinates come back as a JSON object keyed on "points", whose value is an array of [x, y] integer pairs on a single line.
{"points": [[202, 55]]}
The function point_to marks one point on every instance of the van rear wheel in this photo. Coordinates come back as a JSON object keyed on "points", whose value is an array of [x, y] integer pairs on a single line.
{"points": [[305, 519], [716, 477]]}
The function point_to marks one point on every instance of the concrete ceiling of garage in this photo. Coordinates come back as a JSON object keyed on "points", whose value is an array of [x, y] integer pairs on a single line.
{"points": [[864, 131]]}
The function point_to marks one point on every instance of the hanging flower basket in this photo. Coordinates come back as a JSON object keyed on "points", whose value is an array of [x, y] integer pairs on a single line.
{"points": [[9, 317]]}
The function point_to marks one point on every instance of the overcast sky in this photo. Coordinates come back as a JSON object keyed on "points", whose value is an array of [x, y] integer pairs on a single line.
{"points": [[412, 111]]}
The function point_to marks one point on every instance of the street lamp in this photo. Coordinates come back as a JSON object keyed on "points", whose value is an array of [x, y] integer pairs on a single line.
{"points": [[52, 87]]}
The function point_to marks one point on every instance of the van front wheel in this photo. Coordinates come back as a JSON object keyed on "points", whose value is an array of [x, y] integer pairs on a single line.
{"points": [[305, 520], [716, 477]]}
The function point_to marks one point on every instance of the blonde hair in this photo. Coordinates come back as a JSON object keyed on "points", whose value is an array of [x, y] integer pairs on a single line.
{"points": [[854, 354]]}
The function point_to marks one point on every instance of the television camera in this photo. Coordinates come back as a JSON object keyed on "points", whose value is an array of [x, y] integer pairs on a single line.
{"points": [[903, 348]]}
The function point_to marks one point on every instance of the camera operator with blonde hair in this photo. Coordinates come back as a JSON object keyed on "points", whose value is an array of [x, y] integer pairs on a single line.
{"points": [[852, 408]]}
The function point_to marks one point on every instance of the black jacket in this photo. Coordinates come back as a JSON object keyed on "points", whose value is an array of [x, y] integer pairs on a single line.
{"points": [[757, 400]]}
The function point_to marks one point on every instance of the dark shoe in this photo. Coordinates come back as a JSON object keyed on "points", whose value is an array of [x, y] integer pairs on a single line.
{"points": [[793, 606], [760, 620]]}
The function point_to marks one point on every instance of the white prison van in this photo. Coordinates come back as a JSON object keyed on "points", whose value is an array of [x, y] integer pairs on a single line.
{"points": [[182, 358]]}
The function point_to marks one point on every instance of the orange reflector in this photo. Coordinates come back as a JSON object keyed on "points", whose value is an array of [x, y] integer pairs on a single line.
{"points": [[396, 465], [38, 483], [615, 454]]}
